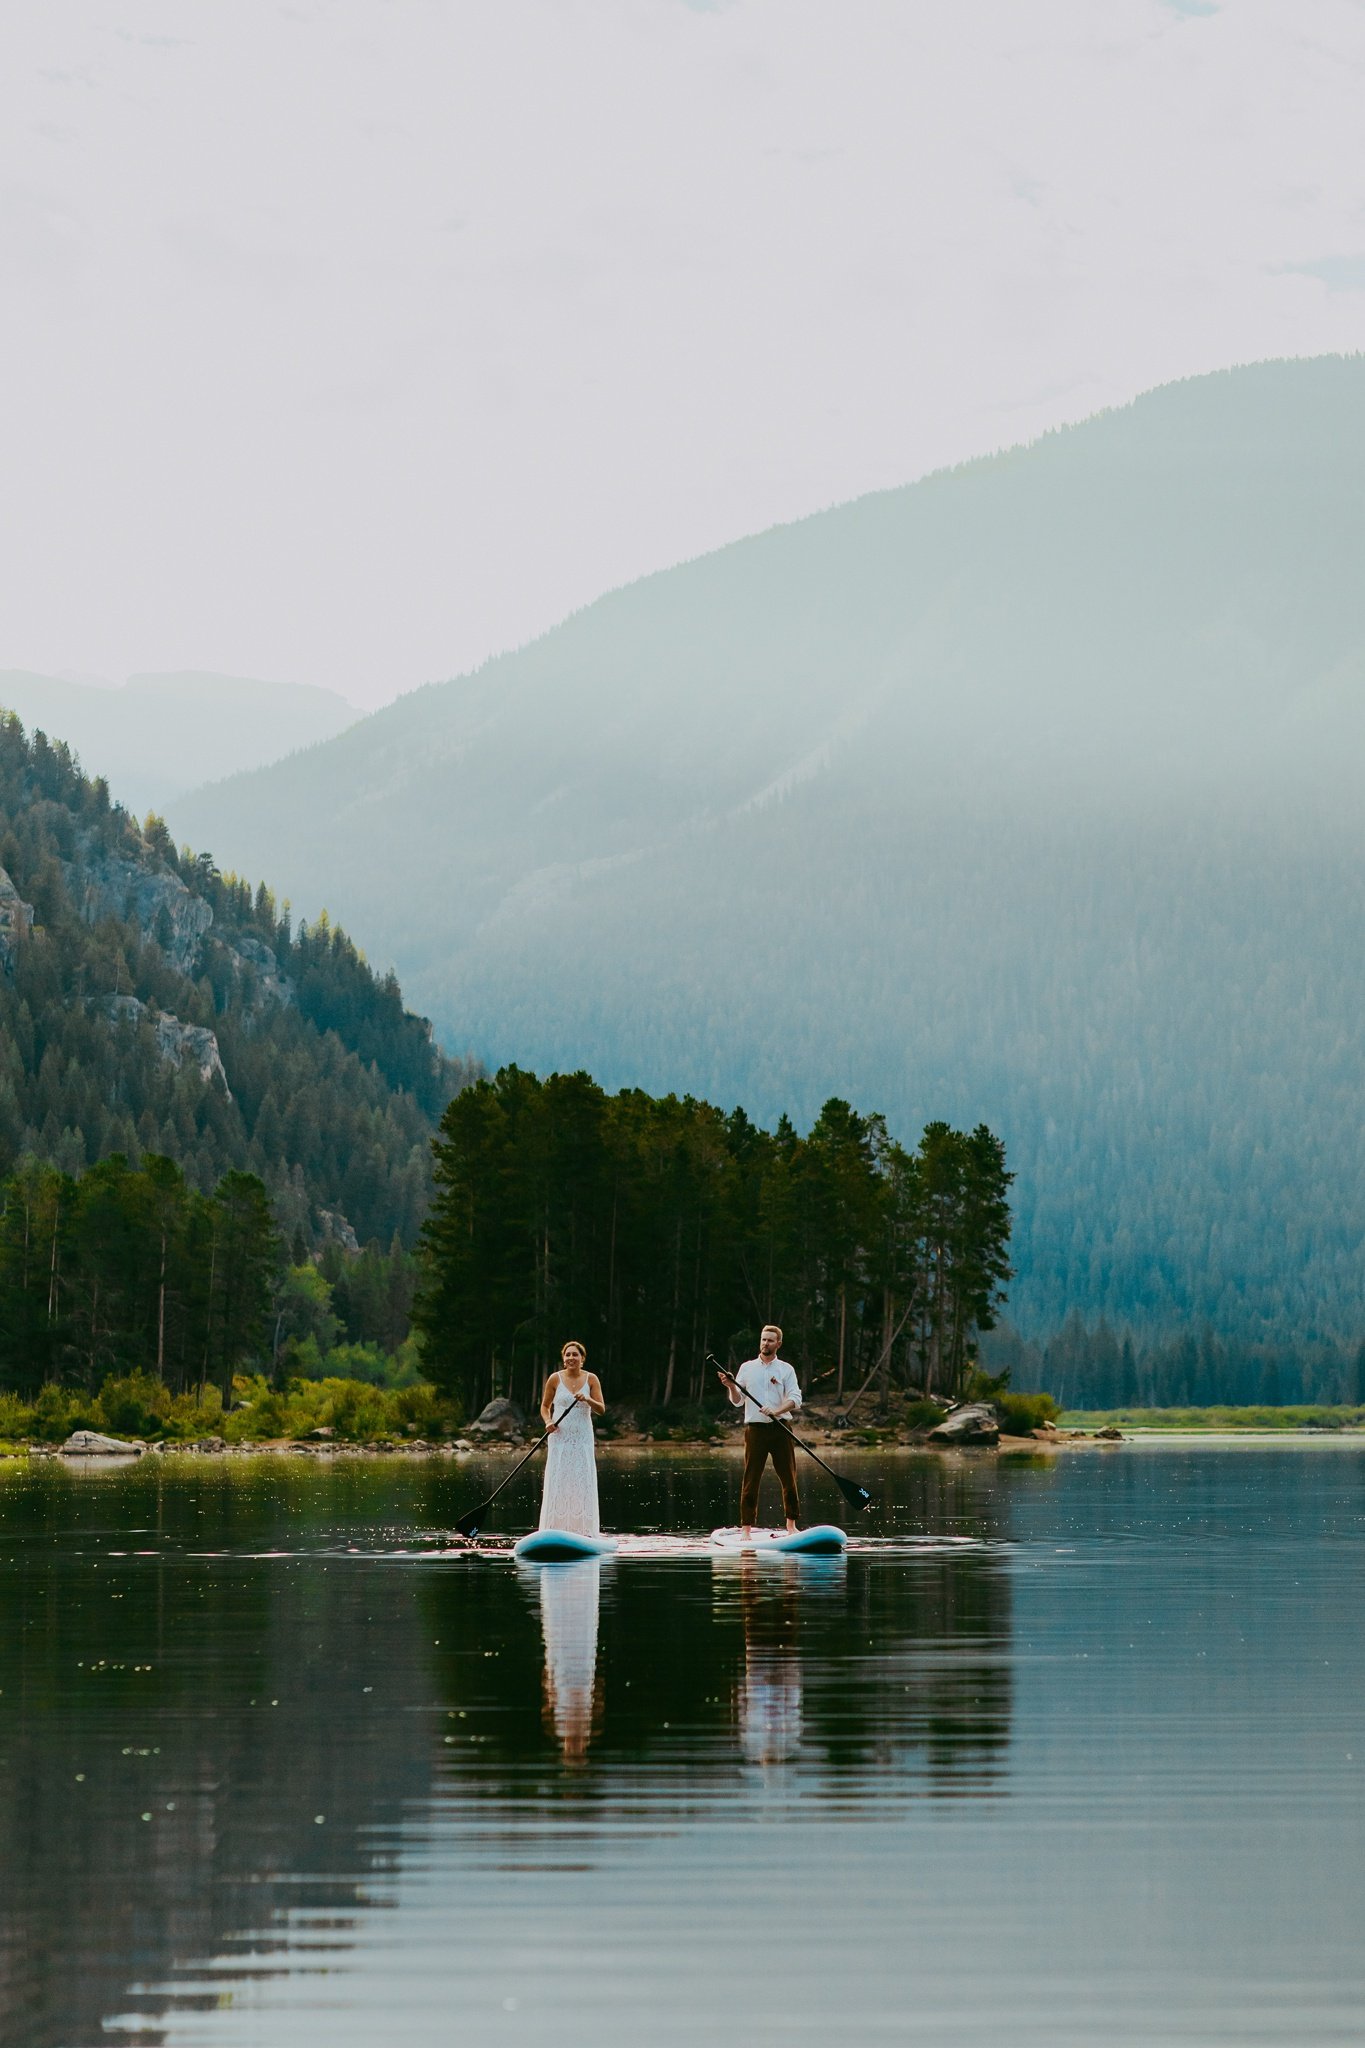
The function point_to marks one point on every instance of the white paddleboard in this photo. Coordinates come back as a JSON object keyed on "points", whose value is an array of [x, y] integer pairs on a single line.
{"points": [[561, 1546], [824, 1540]]}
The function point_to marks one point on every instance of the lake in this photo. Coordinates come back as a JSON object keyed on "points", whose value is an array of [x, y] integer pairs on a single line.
{"points": [[1070, 1752]]}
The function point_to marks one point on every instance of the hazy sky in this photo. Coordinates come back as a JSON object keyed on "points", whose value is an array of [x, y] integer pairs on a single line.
{"points": [[350, 342]]}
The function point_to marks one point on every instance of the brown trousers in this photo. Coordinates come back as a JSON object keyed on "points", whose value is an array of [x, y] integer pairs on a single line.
{"points": [[764, 1440]]}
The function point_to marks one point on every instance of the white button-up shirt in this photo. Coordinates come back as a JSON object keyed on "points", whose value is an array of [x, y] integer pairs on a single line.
{"points": [[766, 1382]]}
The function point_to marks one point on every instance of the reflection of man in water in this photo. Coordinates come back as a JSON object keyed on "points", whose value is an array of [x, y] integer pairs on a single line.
{"points": [[569, 1595], [770, 1697], [769, 1389]]}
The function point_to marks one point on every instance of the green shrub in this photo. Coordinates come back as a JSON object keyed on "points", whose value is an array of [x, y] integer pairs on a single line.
{"points": [[134, 1404], [263, 1413], [16, 1419], [1020, 1413], [137, 1404], [57, 1411], [369, 1363], [922, 1414], [356, 1411], [426, 1411], [302, 1360], [188, 1418]]}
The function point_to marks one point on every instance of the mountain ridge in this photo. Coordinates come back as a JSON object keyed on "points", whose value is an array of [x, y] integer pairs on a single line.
{"points": [[991, 785], [150, 736]]}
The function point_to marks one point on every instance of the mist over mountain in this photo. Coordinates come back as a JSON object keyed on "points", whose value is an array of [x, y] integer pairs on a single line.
{"points": [[157, 736], [1027, 794]]}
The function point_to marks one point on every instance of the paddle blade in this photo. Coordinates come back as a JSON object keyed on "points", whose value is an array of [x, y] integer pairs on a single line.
{"points": [[857, 1496], [469, 1525]]}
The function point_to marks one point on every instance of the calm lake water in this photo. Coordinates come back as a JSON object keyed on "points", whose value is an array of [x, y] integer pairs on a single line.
{"points": [[273, 1771]]}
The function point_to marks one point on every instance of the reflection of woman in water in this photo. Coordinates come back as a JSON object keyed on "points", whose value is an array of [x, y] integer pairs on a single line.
{"points": [[568, 1620], [572, 1397]]}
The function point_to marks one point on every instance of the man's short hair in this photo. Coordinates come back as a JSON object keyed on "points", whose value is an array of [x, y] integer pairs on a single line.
{"points": [[776, 1329]]}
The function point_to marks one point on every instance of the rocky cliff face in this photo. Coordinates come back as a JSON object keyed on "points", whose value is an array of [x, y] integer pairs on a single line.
{"points": [[269, 985], [155, 899], [159, 902], [175, 1042], [16, 920]]}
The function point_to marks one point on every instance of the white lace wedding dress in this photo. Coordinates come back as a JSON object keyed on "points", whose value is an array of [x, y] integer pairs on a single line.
{"points": [[570, 1497]]}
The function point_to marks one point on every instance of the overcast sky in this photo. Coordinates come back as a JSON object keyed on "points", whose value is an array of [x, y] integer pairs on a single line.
{"points": [[350, 342]]}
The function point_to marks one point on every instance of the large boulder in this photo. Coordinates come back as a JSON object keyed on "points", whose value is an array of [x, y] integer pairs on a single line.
{"points": [[975, 1422], [501, 1418], [88, 1443]]}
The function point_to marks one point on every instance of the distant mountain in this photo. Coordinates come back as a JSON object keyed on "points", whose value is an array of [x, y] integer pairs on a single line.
{"points": [[148, 1004], [160, 735], [1028, 794]]}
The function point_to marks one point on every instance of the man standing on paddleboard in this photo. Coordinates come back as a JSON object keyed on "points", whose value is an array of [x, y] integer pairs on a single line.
{"points": [[769, 1391]]}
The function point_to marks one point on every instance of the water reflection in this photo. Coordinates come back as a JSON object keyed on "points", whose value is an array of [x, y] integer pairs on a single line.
{"points": [[769, 1697], [183, 1729], [224, 1711], [570, 1601]]}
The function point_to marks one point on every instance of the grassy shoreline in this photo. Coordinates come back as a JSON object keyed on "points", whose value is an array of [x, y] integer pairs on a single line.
{"points": [[1197, 1420]]}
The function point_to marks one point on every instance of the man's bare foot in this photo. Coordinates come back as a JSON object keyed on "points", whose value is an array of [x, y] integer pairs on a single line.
{"points": [[747, 1532], [791, 1527]]}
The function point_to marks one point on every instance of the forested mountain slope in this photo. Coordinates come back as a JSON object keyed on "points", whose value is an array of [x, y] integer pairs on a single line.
{"points": [[148, 1004], [159, 735], [1027, 794]]}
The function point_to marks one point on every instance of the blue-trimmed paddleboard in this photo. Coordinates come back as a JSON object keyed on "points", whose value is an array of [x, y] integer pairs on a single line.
{"points": [[824, 1540], [561, 1546]]}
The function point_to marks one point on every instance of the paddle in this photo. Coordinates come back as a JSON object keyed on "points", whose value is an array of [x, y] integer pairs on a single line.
{"points": [[469, 1525], [857, 1496]]}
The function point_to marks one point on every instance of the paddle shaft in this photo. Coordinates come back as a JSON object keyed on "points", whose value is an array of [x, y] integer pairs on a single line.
{"points": [[856, 1496], [477, 1514]]}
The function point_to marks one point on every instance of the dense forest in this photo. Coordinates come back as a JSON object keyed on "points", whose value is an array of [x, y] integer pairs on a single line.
{"points": [[1027, 794], [658, 1229], [150, 1005], [1098, 1366], [129, 1270], [214, 1129]]}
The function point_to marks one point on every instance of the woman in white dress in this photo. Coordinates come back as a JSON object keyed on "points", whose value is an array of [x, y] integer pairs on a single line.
{"points": [[572, 1397]]}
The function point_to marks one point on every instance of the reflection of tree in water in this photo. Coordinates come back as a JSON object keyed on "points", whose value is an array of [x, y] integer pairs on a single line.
{"points": [[224, 1697], [899, 1669]]}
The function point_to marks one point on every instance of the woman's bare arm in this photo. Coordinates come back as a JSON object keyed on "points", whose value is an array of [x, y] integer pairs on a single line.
{"points": [[547, 1400], [594, 1398]]}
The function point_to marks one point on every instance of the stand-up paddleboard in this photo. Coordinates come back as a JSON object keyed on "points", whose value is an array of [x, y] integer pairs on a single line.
{"points": [[561, 1546], [824, 1540]]}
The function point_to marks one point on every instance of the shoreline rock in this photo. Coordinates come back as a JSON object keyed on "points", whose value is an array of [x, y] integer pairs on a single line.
{"points": [[499, 1418], [975, 1422], [88, 1443]]}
